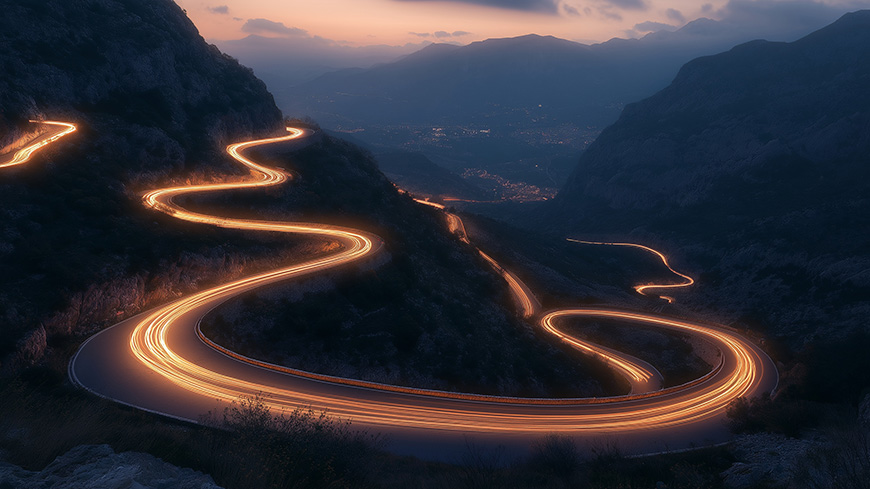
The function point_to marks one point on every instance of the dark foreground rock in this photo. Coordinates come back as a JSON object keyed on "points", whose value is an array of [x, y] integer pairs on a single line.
{"points": [[99, 467]]}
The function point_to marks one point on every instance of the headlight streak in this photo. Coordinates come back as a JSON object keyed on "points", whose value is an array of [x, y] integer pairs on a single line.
{"points": [[24, 154], [738, 374], [641, 376], [641, 289]]}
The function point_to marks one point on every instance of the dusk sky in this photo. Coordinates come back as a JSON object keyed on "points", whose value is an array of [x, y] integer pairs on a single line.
{"points": [[397, 22]]}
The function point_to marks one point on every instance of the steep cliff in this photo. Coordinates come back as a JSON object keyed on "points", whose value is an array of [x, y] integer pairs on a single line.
{"points": [[151, 99], [141, 62], [752, 167]]}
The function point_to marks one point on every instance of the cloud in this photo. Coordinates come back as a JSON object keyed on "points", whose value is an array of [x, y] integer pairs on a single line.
{"points": [[266, 26], [220, 9], [445, 34], [650, 26], [544, 6], [676, 15], [792, 11], [738, 21], [420, 34], [609, 14], [783, 20], [570, 10], [629, 4]]}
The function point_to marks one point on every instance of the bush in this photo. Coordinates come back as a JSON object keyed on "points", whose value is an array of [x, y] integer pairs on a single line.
{"points": [[763, 414], [301, 448], [557, 456]]}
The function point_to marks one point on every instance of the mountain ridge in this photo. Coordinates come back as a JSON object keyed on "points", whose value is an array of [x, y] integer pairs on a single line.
{"points": [[150, 98], [753, 165]]}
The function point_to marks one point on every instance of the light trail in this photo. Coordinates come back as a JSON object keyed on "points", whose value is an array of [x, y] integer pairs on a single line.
{"points": [[641, 376], [156, 342], [529, 305], [641, 289], [23, 155]]}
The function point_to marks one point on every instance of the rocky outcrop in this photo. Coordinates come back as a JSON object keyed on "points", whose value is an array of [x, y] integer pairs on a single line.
{"points": [[142, 62], [99, 467]]}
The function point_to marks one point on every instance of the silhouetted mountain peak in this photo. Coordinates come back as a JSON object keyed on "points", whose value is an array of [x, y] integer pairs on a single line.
{"points": [[432, 51], [526, 40], [700, 26], [853, 28]]}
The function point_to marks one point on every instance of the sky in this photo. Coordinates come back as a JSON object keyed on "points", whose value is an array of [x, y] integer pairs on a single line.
{"points": [[400, 22]]}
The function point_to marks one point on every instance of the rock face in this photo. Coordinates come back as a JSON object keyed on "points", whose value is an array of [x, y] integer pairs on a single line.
{"points": [[99, 467], [753, 165], [141, 61], [151, 99]]}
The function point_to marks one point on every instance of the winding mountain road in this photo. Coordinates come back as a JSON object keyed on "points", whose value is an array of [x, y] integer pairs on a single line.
{"points": [[642, 289], [56, 131], [159, 361]]}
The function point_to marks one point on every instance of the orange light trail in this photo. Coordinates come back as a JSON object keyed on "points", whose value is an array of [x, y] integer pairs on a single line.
{"points": [[24, 154], [642, 376], [527, 303], [525, 298], [740, 372], [641, 289]]}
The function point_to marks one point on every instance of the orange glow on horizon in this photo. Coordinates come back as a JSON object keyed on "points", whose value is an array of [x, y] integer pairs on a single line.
{"points": [[371, 22]]}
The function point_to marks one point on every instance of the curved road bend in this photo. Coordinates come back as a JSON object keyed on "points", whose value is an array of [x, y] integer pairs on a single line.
{"points": [[23, 155], [156, 361], [641, 376], [642, 289]]}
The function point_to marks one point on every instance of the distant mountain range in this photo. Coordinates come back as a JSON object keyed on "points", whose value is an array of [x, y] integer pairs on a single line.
{"points": [[755, 165], [287, 62], [514, 80], [519, 109]]}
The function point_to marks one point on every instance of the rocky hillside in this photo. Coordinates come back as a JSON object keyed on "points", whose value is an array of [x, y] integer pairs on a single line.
{"points": [[151, 100], [430, 314], [752, 167], [155, 104], [98, 466], [142, 62]]}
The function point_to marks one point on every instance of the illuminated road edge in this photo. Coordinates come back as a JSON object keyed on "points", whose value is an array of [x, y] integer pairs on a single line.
{"points": [[23, 155], [642, 289], [744, 369]]}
